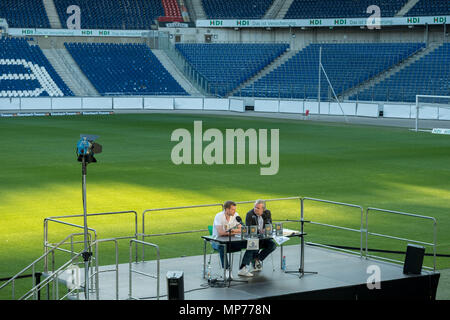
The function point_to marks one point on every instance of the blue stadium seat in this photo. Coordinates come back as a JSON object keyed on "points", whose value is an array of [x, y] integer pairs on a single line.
{"points": [[227, 65], [346, 65], [24, 13], [113, 14], [430, 8], [429, 75], [236, 9], [26, 72], [124, 69], [308, 9]]}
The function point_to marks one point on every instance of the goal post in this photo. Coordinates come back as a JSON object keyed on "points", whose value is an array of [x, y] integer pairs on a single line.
{"points": [[431, 107]]}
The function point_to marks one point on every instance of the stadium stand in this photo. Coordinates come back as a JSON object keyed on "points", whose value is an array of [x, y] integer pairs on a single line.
{"points": [[123, 69], [429, 75], [307, 9], [346, 65], [24, 13], [430, 8], [172, 11], [113, 14], [225, 66], [236, 9], [26, 72]]}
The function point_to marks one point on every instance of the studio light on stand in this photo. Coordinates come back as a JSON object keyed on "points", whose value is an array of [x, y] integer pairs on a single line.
{"points": [[86, 148]]}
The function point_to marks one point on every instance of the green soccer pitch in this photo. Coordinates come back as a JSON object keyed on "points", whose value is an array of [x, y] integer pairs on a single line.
{"points": [[382, 167]]}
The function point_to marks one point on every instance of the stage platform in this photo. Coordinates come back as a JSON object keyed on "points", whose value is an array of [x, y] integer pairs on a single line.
{"points": [[339, 276]]}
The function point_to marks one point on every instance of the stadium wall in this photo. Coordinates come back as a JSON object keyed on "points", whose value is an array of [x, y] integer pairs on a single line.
{"points": [[119, 103], [16, 106]]}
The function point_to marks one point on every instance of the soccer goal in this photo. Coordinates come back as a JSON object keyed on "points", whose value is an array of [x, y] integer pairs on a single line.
{"points": [[429, 107]]}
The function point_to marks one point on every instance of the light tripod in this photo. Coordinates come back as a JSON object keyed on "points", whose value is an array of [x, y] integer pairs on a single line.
{"points": [[86, 148]]}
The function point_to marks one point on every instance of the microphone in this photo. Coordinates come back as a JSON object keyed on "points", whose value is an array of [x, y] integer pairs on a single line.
{"points": [[239, 220]]}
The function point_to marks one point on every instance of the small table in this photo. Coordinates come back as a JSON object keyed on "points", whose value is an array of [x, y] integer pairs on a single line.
{"points": [[225, 240], [301, 269]]}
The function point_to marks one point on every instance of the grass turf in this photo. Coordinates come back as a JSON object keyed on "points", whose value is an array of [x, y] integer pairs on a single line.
{"points": [[388, 168]]}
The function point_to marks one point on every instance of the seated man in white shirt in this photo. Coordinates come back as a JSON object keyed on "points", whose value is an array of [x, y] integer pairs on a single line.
{"points": [[223, 222]]}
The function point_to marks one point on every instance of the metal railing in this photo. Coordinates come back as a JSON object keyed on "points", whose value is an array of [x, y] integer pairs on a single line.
{"points": [[116, 269], [148, 211], [361, 230], [55, 247], [37, 287], [218, 205], [405, 214], [58, 220], [94, 275], [52, 279], [131, 270], [271, 200]]}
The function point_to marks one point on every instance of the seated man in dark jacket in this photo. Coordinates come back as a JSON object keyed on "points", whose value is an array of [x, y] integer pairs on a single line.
{"points": [[260, 216]]}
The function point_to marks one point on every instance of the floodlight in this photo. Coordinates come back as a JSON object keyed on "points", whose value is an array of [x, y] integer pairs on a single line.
{"points": [[86, 148]]}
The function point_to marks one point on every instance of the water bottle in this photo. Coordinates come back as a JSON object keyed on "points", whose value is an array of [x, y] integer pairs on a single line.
{"points": [[283, 263]]}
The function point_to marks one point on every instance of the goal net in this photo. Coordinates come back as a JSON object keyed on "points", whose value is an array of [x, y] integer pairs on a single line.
{"points": [[429, 107]]}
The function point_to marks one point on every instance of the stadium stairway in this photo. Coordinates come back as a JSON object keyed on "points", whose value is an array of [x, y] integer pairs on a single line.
{"points": [[52, 14], [391, 71], [272, 66], [274, 9], [284, 9], [67, 69], [175, 72], [197, 7], [408, 6]]}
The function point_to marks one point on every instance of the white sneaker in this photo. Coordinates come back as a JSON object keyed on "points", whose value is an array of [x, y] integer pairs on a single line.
{"points": [[245, 273]]}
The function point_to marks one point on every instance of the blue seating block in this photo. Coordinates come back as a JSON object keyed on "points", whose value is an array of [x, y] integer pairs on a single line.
{"points": [[24, 68], [346, 66], [225, 66], [309, 9], [236, 9], [124, 69], [113, 14], [430, 8], [24, 13], [429, 75]]}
